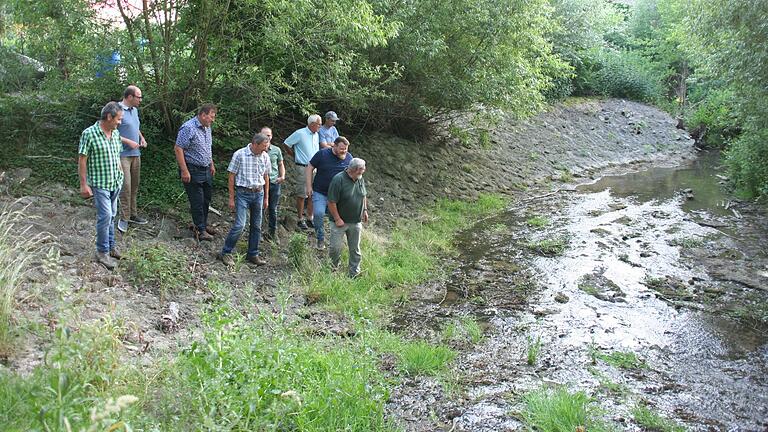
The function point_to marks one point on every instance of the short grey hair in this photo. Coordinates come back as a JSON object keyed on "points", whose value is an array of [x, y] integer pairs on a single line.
{"points": [[356, 163], [314, 118], [259, 138], [110, 109]]}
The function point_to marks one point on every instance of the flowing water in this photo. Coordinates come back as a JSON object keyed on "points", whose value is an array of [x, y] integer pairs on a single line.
{"points": [[635, 276]]}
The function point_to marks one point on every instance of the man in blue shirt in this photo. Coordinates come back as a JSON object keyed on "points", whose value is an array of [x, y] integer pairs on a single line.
{"points": [[130, 158], [301, 146], [196, 167], [328, 162], [328, 132]]}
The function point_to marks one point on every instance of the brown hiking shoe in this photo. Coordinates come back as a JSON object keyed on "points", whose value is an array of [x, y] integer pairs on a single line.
{"points": [[211, 230], [259, 261], [227, 259], [115, 253], [203, 235], [104, 259]]}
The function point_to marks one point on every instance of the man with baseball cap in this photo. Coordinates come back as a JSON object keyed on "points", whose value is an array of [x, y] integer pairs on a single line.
{"points": [[328, 132]]}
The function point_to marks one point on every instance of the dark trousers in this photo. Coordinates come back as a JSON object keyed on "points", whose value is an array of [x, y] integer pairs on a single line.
{"points": [[199, 191], [274, 200]]}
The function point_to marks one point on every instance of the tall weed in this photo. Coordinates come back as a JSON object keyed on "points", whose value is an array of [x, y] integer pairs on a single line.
{"points": [[17, 245]]}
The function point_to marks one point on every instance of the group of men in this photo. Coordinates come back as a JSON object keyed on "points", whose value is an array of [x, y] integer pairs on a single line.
{"points": [[328, 180]]}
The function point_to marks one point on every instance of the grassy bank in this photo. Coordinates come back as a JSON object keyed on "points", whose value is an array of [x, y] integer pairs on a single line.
{"points": [[254, 371]]}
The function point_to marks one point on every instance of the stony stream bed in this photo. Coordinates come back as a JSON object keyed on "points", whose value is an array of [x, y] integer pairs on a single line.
{"points": [[660, 266]]}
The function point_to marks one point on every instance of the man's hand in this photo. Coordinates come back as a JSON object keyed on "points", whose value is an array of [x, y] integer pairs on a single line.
{"points": [[213, 169], [185, 176], [280, 180], [143, 143], [232, 203], [266, 202], [365, 216], [309, 191], [85, 191], [339, 222]]}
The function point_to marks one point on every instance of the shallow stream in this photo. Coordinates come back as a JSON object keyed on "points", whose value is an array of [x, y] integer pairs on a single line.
{"points": [[660, 264]]}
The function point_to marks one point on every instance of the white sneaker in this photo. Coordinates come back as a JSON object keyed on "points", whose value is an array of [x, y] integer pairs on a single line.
{"points": [[122, 225]]}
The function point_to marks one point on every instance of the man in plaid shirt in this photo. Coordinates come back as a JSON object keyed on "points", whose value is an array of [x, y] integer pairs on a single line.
{"points": [[196, 168], [248, 185], [101, 177]]}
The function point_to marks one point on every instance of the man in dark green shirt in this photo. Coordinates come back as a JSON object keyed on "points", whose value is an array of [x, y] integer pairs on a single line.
{"points": [[348, 204]]}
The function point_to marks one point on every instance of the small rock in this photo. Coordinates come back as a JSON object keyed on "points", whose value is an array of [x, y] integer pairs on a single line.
{"points": [[561, 298]]}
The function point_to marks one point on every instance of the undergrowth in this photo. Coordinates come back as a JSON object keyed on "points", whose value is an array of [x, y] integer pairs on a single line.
{"points": [[16, 249]]}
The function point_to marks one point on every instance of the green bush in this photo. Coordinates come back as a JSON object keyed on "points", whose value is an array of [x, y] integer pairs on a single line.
{"points": [[714, 114], [747, 161], [621, 74]]}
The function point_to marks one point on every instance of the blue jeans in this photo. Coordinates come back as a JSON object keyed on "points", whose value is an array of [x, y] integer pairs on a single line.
{"points": [[199, 191], [246, 201], [274, 201], [319, 203], [105, 202]]}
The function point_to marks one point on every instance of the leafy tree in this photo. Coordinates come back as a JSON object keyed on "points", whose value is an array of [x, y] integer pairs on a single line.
{"points": [[731, 42], [460, 54]]}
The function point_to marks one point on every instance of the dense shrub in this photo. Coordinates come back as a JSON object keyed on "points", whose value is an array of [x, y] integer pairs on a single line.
{"points": [[621, 74], [713, 114], [747, 160]]}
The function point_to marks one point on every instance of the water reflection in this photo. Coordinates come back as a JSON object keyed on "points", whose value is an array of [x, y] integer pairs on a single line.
{"points": [[665, 183]]}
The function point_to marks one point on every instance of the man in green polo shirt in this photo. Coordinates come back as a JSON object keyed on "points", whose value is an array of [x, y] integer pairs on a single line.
{"points": [[101, 177], [348, 204]]}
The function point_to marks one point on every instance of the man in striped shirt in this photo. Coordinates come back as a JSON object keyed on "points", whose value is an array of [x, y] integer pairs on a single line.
{"points": [[101, 177], [248, 185]]}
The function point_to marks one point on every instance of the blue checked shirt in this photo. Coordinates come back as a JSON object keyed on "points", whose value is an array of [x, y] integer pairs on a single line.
{"points": [[249, 168], [196, 142]]}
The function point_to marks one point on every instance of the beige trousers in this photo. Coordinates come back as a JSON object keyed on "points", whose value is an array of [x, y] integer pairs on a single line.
{"points": [[131, 170]]}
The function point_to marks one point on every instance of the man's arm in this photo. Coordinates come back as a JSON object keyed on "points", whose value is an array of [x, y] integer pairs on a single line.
{"points": [[287, 150], [231, 187], [308, 179], [130, 143], [335, 213], [281, 172], [185, 177], [266, 190], [82, 172], [365, 209]]}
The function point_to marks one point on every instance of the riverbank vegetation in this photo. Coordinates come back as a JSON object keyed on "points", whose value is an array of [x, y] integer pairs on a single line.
{"points": [[252, 368], [382, 64]]}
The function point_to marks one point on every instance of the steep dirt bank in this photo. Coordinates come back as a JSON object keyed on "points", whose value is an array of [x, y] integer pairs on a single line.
{"points": [[403, 176], [572, 140]]}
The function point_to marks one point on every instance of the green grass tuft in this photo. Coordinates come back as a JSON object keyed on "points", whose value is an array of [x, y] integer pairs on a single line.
{"points": [[533, 350], [422, 358], [561, 411], [537, 221], [652, 421], [549, 247], [622, 360], [159, 267]]}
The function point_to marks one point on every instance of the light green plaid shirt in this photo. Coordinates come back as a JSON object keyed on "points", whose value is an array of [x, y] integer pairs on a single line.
{"points": [[104, 171]]}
